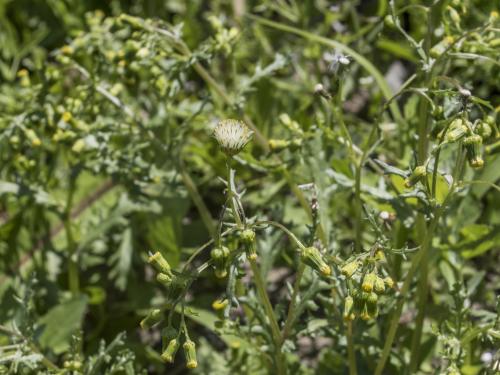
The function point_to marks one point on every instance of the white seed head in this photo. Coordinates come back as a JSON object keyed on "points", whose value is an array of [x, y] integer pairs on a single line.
{"points": [[232, 135]]}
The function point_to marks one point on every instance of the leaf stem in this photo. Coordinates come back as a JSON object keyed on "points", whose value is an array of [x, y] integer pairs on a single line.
{"points": [[350, 350]]}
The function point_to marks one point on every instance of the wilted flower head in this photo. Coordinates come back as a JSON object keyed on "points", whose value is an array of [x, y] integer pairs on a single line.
{"points": [[232, 135]]}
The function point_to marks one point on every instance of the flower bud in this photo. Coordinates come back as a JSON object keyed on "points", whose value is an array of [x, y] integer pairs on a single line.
{"points": [[349, 309], [440, 48], [389, 282], [276, 145], [232, 136], [484, 129], [219, 257], [169, 354], [220, 304], [379, 285], [473, 148], [313, 258], [371, 305], [248, 238], [365, 315], [454, 16], [417, 175], [368, 282], [389, 22], [456, 131], [164, 279], [190, 353], [160, 263], [153, 317], [350, 268]]}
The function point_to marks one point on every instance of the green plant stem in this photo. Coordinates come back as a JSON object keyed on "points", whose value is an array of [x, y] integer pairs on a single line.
{"points": [[275, 330], [426, 243], [423, 231], [230, 193], [293, 303], [391, 333], [73, 271], [351, 354], [357, 206]]}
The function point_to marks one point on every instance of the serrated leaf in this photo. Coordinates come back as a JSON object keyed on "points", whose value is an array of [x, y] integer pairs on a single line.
{"points": [[61, 322]]}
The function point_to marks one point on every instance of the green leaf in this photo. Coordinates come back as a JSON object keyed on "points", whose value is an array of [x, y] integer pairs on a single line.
{"points": [[122, 260], [61, 322]]}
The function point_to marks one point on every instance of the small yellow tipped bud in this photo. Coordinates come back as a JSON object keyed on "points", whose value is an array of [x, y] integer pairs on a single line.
{"points": [[350, 268], [276, 145], [417, 175], [379, 285], [154, 317], [439, 48], [232, 136], [160, 263], [473, 148], [190, 353], [389, 282], [313, 258], [456, 131], [219, 257], [36, 142], [348, 309], [67, 116], [220, 304], [368, 282], [169, 354]]}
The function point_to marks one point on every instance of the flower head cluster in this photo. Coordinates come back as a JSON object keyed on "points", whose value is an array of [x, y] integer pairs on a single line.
{"points": [[232, 136]]}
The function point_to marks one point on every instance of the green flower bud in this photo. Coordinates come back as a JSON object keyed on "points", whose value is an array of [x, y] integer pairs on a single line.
{"points": [[164, 279], [219, 257], [454, 16], [456, 131], [160, 263], [248, 238], [389, 22], [417, 175], [276, 145], [379, 285], [349, 309], [389, 282], [365, 315], [484, 129], [368, 282], [473, 148], [439, 48], [313, 258], [153, 317], [190, 353], [169, 354], [350, 268], [371, 305]]}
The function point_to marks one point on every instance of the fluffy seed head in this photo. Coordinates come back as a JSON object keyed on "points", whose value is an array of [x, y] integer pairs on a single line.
{"points": [[232, 136]]}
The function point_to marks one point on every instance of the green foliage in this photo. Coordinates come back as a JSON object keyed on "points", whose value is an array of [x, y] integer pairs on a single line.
{"points": [[348, 222]]}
